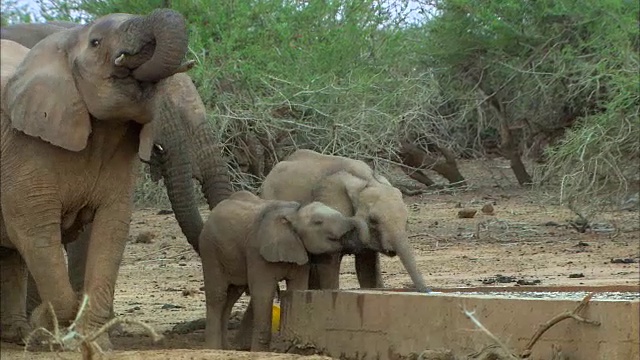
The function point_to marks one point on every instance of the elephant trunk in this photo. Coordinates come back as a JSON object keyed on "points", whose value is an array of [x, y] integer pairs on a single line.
{"points": [[174, 164], [404, 251], [167, 29], [362, 229], [214, 174]]}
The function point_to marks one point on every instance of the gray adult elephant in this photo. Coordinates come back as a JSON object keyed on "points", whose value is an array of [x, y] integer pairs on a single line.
{"points": [[185, 148], [77, 112]]}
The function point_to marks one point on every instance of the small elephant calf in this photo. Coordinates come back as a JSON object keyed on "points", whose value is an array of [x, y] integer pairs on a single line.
{"points": [[254, 243]]}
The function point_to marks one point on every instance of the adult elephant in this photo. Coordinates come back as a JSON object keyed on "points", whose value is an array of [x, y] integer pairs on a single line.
{"points": [[185, 148], [77, 113]]}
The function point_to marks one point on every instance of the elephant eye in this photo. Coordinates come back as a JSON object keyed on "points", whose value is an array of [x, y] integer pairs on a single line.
{"points": [[95, 42], [374, 221], [317, 222]]}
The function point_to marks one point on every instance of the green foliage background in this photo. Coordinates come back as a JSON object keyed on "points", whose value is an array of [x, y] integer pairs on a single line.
{"points": [[360, 75]]}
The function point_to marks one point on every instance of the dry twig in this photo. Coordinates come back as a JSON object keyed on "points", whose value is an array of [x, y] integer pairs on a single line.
{"points": [[470, 315], [71, 340], [556, 319]]}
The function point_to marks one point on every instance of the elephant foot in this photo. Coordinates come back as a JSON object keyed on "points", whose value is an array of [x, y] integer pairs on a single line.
{"points": [[41, 317], [242, 341], [16, 332]]}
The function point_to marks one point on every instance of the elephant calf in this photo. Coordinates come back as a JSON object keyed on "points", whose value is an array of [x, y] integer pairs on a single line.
{"points": [[254, 243], [353, 188]]}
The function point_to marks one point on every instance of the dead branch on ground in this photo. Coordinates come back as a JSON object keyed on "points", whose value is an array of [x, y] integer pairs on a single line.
{"points": [[419, 160], [70, 340]]}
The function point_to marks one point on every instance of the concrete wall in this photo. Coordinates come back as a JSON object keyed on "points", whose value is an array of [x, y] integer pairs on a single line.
{"points": [[362, 324]]}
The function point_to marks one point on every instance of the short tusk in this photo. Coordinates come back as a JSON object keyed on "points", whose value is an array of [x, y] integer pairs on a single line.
{"points": [[119, 60], [185, 66], [160, 148]]}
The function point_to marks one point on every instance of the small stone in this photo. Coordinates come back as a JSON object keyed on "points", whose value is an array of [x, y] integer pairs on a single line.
{"points": [[189, 292], [145, 237], [171, 306], [488, 209], [624, 261], [467, 213]]}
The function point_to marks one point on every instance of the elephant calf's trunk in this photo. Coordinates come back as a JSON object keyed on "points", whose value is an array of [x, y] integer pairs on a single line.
{"points": [[404, 251]]}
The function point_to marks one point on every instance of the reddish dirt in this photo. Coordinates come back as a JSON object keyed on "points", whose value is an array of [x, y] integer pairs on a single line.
{"points": [[528, 238]]}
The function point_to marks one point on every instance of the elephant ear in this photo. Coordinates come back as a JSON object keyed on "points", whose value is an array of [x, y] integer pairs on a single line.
{"points": [[146, 142], [42, 99], [277, 237], [341, 191]]}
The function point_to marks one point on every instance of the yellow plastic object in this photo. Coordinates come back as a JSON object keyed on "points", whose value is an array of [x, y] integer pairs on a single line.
{"points": [[275, 318]]}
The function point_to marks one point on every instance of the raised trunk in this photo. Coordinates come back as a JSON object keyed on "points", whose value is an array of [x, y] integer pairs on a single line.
{"points": [[176, 171], [165, 32], [405, 253], [214, 173]]}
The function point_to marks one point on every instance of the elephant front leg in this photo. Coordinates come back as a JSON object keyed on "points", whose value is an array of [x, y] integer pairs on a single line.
{"points": [[368, 269], [42, 250], [75, 264], [107, 242], [325, 271], [14, 326], [262, 293]]}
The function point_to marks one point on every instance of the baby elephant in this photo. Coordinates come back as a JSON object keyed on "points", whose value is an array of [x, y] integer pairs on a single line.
{"points": [[254, 243]]}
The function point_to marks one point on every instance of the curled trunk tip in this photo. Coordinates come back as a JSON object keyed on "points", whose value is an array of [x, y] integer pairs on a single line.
{"points": [[169, 30]]}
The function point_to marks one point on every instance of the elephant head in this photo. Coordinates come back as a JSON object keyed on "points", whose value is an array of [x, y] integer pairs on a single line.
{"points": [[379, 204], [105, 70], [288, 231]]}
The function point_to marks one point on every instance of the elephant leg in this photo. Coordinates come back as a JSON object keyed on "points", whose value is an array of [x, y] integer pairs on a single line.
{"points": [[215, 288], [216, 299], [233, 294], [77, 258], [262, 293], [243, 336], [368, 269], [325, 271], [300, 281], [33, 298], [75, 266], [77, 246], [35, 232], [108, 237], [14, 326]]}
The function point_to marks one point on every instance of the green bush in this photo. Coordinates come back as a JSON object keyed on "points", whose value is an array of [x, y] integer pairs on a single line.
{"points": [[348, 77]]}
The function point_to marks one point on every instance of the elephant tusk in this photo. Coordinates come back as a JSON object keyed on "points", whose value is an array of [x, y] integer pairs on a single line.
{"points": [[185, 66], [160, 148], [119, 60]]}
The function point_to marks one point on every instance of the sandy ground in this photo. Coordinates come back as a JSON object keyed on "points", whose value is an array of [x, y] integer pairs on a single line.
{"points": [[528, 238]]}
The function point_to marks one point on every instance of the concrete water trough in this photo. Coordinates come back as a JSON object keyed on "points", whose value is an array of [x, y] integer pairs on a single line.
{"points": [[400, 324]]}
